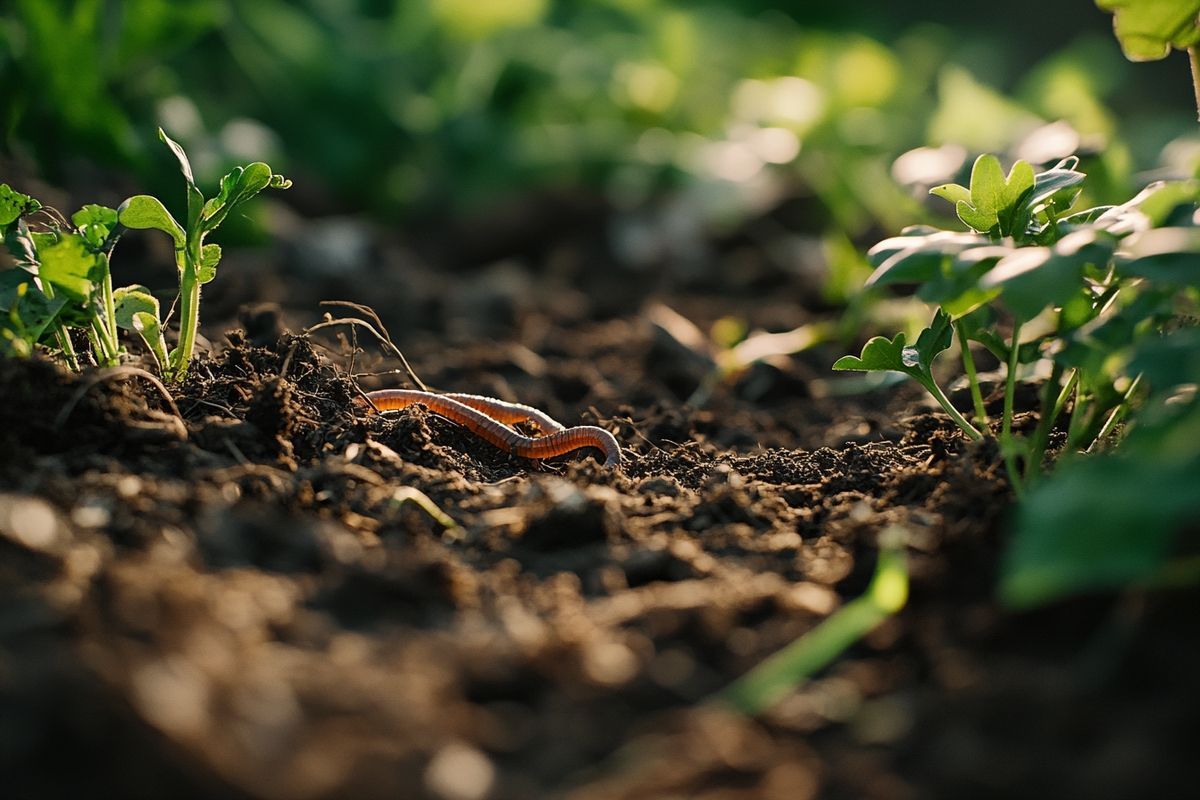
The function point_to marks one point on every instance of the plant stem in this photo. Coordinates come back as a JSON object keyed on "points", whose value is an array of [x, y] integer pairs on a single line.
{"points": [[967, 428], [1051, 395], [972, 378], [64, 343], [1194, 59], [1068, 387], [189, 320], [1117, 413], [1010, 379], [1006, 437]]}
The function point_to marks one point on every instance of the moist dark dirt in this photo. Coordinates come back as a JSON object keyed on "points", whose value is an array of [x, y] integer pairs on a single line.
{"points": [[232, 596]]}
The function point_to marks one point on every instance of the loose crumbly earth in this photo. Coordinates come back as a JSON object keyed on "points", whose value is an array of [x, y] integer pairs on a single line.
{"points": [[235, 601]]}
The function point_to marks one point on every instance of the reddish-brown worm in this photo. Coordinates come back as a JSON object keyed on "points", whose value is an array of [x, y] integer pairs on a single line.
{"points": [[489, 428]]}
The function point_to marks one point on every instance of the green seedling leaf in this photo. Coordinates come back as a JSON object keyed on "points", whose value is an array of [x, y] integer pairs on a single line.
{"points": [[71, 268], [14, 205], [1169, 256], [953, 192], [1169, 362], [210, 256], [130, 300], [145, 212], [195, 200], [185, 165], [1148, 29], [881, 353], [1151, 207], [25, 311], [1035, 277], [1055, 189], [237, 187], [137, 310], [993, 197], [956, 289], [916, 259], [19, 241], [95, 224]]}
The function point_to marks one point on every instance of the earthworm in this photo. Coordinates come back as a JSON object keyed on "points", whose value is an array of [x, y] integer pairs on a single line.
{"points": [[472, 412]]}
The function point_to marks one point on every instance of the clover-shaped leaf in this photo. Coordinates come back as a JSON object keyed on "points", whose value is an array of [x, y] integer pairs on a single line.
{"points": [[988, 206]]}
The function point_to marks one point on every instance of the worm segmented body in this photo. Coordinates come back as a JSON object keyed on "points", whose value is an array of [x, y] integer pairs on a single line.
{"points": [[484, 416]]}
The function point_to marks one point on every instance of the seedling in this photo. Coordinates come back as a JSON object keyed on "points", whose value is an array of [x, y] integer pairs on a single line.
{"points": [[1098, 281], [195, 260], [61, 280]]}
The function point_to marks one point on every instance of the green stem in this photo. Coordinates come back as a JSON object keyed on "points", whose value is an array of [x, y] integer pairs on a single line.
{"points": [[189, 320], [967, 428], [1010, 379], [1076, 424], [63, 336], [110, 311], [1194, 59], [1068, 387], [1117, 413], [1051, 394], [1006, 437], [972, 378]]}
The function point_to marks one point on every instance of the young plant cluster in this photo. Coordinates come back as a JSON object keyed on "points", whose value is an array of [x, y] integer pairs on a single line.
{"points": [[62, 281], [1100, 305]]}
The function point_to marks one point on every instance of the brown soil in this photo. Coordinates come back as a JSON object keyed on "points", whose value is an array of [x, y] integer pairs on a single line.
{"points": [[232, 603]]}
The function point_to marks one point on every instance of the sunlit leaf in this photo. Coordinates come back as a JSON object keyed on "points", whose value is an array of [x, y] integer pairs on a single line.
{"points": [[1148, 29], [143, 211]]}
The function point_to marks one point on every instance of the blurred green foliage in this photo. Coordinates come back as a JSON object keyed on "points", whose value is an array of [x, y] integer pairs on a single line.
{"points": [[451, 104]]}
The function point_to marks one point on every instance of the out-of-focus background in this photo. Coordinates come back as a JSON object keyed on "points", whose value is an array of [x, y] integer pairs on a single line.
{"points": [[482, 117]]}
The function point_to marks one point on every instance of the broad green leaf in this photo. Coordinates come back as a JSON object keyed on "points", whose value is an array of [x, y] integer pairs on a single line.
{"points": [[916, 259], [26, 311], [878, 354], [931, 341], [1095, 525], [95, 224], [143, 211], [881, 353], [14, 205], [210, 256], [10, 282], [1168, 256], [1035, 277], [1168, 362], [1148, 29], [1150, 208], [130, 300], [138, 310], [71, 268], [18, 239]]}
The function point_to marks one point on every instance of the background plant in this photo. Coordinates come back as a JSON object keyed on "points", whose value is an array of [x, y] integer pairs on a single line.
{"points": [[62, 280]]}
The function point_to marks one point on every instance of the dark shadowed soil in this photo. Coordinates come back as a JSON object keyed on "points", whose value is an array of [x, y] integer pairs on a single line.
{"points": [[229, 597]]}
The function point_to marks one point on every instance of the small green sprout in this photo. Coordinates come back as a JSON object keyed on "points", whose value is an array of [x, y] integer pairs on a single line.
{"points": [[196, 261], [770, 681]]}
